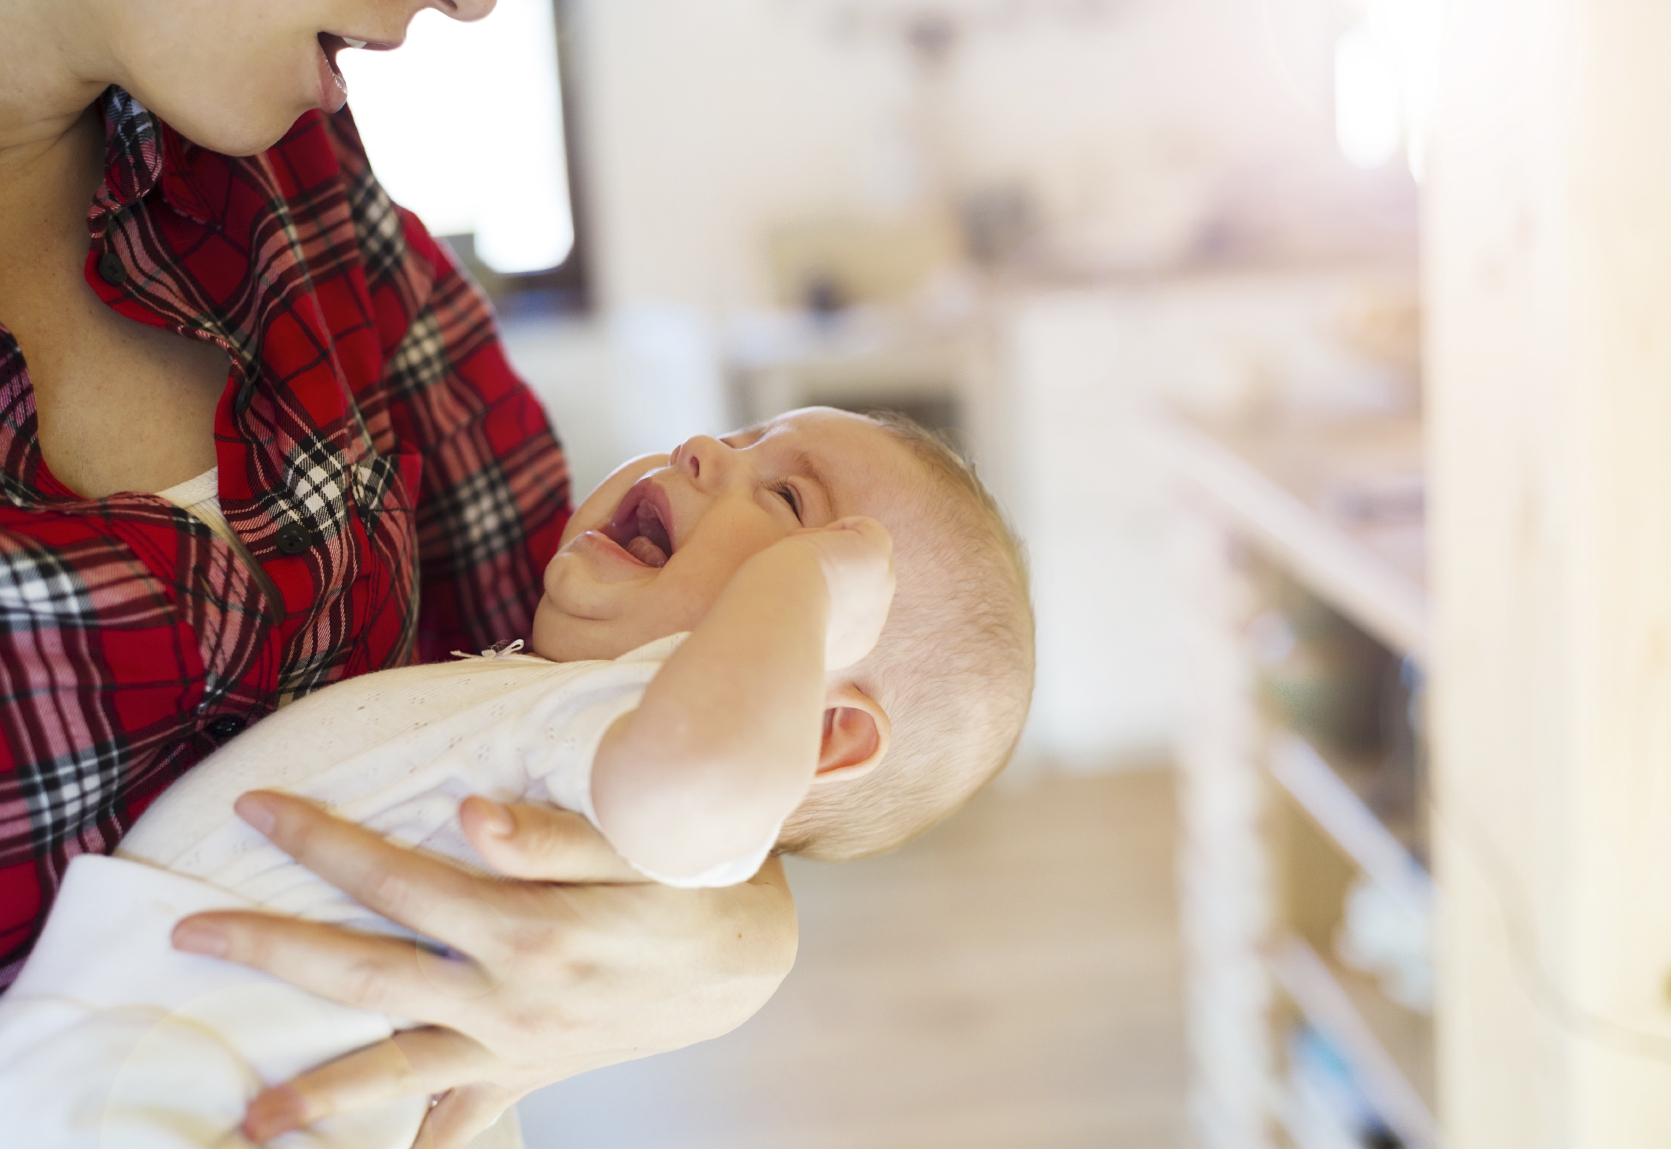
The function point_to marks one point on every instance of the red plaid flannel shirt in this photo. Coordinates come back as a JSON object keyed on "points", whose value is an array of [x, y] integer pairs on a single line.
{"points": [[372, 437]]}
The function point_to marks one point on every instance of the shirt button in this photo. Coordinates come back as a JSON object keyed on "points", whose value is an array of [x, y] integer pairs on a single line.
{"points": [[293, 538], [112, 269], [225, 727]]}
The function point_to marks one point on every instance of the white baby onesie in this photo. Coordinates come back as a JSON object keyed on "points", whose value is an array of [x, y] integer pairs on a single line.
{"points": [[110, 1037]]}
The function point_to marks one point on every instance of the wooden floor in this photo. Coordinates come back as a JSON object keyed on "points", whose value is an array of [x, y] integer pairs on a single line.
{"points": [[1011, 981]]}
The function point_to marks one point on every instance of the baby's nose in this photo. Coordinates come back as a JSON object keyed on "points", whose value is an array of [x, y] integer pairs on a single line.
{"points": [[703, 458]]}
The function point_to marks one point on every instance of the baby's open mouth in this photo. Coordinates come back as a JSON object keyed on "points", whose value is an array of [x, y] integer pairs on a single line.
{"points": [[639, 529]]}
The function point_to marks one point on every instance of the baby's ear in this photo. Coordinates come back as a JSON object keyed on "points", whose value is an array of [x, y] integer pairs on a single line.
{"points": [[856, 733]]}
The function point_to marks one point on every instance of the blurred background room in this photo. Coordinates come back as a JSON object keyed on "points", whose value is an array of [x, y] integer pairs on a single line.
{"points": [[1153, 264]]}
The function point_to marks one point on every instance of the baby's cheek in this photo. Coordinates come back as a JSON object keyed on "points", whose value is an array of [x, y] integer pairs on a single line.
{"points": [[562, 637]]}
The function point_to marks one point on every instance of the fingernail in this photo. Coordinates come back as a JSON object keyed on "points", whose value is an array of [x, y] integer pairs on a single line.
{"points": [[200, 938], [497, 820], [275, 1111], [256, 812]]}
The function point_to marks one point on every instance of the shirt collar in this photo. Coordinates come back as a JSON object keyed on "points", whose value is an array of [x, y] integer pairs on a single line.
{"points": [[141, 152]]}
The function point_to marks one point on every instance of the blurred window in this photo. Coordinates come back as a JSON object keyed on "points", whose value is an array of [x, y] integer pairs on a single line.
{"points": [[1368, 120], [464, 126], [1387, 81]]}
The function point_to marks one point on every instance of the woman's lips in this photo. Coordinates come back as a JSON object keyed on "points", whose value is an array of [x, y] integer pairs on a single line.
{"points": [[333, 89]]}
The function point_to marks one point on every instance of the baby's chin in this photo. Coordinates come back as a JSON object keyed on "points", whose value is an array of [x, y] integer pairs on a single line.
{"points": [[549, 627], [561, 637]]}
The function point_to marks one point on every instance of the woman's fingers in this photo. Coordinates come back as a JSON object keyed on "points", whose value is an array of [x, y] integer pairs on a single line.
{"points": [[462, 1115], [423, 893], [578, 976], [540, 844], [412, 1062], [369, 971]]}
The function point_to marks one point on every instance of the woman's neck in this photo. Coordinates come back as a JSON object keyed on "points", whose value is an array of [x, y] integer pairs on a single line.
{"points": [[52, 67], [51, 142]]}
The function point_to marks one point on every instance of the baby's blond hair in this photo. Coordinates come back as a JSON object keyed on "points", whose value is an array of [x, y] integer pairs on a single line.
{"points": [[953, 668]]}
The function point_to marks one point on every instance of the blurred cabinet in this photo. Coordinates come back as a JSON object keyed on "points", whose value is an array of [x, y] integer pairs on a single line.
{"points": [[1082, 369], [1307, 905]]}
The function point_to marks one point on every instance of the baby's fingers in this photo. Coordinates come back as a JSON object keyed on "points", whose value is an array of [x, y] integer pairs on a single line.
{"points": [[859, 528], [541, 845], [872, 531]]}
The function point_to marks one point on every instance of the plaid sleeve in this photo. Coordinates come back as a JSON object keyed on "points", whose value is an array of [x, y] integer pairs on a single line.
{"points": [[495, 488]]}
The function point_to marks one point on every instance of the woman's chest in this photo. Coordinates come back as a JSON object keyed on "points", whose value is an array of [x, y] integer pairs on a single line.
{"points": [[144, 364]]}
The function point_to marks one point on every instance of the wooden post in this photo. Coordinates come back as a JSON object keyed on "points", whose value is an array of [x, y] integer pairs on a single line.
{"points": [[1548, 280]]}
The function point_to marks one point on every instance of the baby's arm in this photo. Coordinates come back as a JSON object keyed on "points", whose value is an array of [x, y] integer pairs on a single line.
{"points": [[726, 741]]}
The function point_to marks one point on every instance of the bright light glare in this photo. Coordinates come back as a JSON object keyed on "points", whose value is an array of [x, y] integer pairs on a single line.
{"points": [[1414, 30], [1368, 121], [464, 126], [1387, 81]]}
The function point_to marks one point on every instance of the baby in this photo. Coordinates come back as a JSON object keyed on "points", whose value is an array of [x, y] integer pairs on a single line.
{"points": [[727, 665]]}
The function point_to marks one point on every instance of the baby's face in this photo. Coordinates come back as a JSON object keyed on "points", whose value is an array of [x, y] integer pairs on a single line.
{"points": [[649, 551]]}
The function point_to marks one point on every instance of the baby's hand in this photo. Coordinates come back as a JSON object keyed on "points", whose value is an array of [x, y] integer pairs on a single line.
{"points": [[857, 557]]}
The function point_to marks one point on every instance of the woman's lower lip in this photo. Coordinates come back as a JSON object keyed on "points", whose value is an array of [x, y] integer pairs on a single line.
{"points": [[333, 88]]}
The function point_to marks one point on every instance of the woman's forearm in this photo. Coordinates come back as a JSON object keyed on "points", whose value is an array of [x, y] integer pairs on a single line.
{"points": [[726, 740]]}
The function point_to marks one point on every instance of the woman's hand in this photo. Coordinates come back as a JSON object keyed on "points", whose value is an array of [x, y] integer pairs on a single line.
{"points": [[580, 964]]}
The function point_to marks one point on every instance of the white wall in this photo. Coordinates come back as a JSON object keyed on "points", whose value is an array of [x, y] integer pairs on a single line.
{"points": [[1133, 130], [709, 122]]}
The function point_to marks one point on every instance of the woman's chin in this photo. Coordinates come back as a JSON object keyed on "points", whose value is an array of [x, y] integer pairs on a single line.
{"points": [[230, 128], [239, 139]]}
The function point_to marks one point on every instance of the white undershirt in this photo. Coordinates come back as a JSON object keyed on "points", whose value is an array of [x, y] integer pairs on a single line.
{"points": [[200, 497]]}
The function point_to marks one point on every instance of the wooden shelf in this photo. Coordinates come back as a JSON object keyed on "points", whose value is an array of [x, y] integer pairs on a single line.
{"points": [[1309, 1128], [1341, 1010], [1337, 502], [1336, 506], [1342, 815]]}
